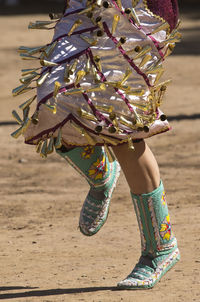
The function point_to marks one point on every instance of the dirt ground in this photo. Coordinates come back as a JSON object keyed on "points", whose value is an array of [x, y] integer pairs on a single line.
{"points": [[43, 256]]}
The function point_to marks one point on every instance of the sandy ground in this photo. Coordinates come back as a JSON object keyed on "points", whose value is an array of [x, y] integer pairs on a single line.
{"points": [[43, 256]]}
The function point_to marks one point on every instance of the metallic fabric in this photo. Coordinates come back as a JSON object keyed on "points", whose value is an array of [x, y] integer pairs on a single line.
{"points": [[101, 71]]}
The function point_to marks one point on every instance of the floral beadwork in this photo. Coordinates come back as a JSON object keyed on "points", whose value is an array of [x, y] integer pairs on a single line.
{"points": [[163, 199], [87, 152], [98, 169], [165, 230]]}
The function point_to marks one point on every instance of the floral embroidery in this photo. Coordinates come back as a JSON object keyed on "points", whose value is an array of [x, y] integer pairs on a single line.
{"points": [[165, 230], [163, 199], [87, 152], [98, 169]]}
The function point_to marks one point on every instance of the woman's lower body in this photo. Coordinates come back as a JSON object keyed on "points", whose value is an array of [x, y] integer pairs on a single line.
{"points": [[98, 89], [158, 243]]}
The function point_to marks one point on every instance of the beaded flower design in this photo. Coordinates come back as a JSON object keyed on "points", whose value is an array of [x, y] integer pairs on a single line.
{"points": [[87, 152], [98, 169], [165, 230], [163, 199]]}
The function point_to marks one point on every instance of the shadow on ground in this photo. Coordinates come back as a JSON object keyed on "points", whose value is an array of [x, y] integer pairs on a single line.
{"points": [[51, 292]]}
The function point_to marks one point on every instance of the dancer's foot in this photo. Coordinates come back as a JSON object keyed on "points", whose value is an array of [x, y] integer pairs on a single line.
{"points": [[148, 271], [96, 206]]}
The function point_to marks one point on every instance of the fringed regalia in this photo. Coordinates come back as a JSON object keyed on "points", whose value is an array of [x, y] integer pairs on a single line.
{"points": [[99, 81]]}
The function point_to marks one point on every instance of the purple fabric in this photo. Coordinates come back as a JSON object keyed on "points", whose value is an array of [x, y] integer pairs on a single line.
{"points": [[167, 9]]}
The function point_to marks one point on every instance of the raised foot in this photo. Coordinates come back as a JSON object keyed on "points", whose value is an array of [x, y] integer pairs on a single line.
{"points": [[148, 272], [95, 209]]}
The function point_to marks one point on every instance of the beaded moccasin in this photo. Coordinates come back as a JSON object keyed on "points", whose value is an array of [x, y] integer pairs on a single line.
{"points": [[159, 246], [101, 174]]}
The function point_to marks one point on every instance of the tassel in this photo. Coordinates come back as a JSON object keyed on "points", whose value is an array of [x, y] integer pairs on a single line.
{"points": [[74, 91], [51, 108], [73, 67], [26, 125], [42, 79], [26, 113], [39, 146], [17, 117], [142, 52], [100, 87], [158, 76], [134, 16], [29, 50], [146, 59], [137, 92], [57, 86], [171, 40], [40, 24], [105, 108], [127, 123], [58, 142], [97, 62], [25, 56], [109, 140], [35, 118], [55, 16], [87, 69], [35, 50], [164, 26], [76, 24], [17, 133], [79, 76], [50, 147], [66, 74], [121, 41], [155, 70], [169, 50], [43, 152], [50, 48], [29, 78], [97, 77], [165, 83], [99, 23], [23, 49], [84, 114], [29, 71], [126, 76], [116, 19], [130, 143], [90, 41], [21, 89], [69, 70], [48, 63]]}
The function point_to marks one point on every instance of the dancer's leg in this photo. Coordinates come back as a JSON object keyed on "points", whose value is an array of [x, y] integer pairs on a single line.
{"points": [[159, 246], [139, 166]]}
